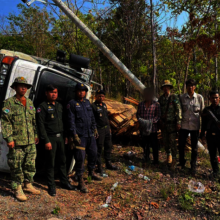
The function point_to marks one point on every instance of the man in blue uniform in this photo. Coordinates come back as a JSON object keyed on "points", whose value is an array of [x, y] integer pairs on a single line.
{"points": [[82, 128]]}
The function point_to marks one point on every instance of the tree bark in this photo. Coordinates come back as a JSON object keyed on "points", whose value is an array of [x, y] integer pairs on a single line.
{"points": [[153, 48], [186, 73], [216, 57]]}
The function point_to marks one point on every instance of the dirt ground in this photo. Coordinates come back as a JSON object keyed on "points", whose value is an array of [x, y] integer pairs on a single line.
{"points": [[165, 196]]}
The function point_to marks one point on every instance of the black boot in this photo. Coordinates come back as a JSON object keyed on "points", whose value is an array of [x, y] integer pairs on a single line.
{"points": [[67, 186], [81, 185], [52, 190], [93, 176], [110, 166]]}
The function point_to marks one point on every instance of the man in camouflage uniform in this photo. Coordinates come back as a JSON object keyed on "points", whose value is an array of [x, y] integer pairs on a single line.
{"points": [[19, 131], [171, 116]]}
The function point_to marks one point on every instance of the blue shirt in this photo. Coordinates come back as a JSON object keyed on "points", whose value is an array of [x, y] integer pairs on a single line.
{"points": [[80, 118]]}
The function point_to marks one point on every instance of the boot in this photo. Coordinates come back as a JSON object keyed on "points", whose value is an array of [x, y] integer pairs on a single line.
{"points": [[19, 194], [28, 187], [52, 190], [81, 185], [94, 176], [169, 159], [110, 166]]}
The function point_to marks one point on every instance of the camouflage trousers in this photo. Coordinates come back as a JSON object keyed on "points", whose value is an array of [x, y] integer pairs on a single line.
{"points": [[169, 139], [21, 160]]}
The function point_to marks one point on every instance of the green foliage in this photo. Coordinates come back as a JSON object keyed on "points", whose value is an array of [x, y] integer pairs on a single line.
{"points": [[56, 210], [89, 179], [186, 201], [126, 29]]}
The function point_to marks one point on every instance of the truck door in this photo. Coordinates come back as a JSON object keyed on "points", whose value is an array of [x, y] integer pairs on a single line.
{"points": [[66, 92]]}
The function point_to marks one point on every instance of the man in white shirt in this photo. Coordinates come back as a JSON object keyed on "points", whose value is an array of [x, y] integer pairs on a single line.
{"points": [[192, 107]]}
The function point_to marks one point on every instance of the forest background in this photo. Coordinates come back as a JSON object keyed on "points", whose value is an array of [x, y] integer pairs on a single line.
{"points": [[134, 31]]}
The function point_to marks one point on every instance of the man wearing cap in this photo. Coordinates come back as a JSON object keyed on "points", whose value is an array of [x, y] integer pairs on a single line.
{"points": [[82, 128], [104, 139], [192, 107], [51, 130], [170, 121], [20, 132]]}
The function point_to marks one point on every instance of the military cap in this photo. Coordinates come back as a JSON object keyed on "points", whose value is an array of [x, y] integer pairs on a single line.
{"points": [[100, 92], [81, 86], [167, 83], [21, 80]]}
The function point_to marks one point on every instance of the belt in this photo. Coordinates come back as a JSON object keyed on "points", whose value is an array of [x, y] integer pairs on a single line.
{"points": [[55, 135], [103, 127]]}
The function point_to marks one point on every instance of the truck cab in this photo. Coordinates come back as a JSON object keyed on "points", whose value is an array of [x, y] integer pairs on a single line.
{"points": [[39, 72]]}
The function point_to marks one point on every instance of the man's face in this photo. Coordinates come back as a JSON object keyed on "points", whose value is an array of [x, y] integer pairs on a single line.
{"points": [[166, 89], [190, 88], [214, 99], [21, 89], [52, 95], [100, 98], [80, 94], [148, 95]]}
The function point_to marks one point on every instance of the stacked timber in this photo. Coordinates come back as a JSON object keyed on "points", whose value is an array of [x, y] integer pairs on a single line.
{"points": [[122, 117]]}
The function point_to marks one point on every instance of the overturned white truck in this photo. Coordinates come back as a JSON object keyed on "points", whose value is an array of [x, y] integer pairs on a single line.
{"points": [[40, 72]]}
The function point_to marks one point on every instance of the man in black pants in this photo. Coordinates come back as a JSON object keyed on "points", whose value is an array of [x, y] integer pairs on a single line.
{"points": [[211, 126], [50, 124], [104, 139], [192, 106], [149, 110]]}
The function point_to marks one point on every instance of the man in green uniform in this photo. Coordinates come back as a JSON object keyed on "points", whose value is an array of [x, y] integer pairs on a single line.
{"points": [[104, 140], [50, 124], [211, 131], [171, 116], [19, 130]]}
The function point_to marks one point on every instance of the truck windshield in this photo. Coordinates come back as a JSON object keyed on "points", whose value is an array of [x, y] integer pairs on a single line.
{"points": [[65, 85]]}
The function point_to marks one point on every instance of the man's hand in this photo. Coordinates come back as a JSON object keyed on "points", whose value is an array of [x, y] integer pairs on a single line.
{"points": [[36, 140], [11, 144], [77, 139], [178, 126], [66, 140], [96, 134], [71, 143], [48, 146]]}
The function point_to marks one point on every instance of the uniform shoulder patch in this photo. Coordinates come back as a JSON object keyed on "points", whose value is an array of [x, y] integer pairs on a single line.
{"points": [[38, 110], [31, 107], [6, 110]]}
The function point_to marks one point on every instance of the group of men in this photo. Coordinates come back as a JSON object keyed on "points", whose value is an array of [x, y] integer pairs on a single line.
{"points": [[86, 129], [180, 115]]}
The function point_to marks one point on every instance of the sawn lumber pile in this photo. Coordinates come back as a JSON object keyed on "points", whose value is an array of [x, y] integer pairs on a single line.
{"points": [[122, 117]]}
